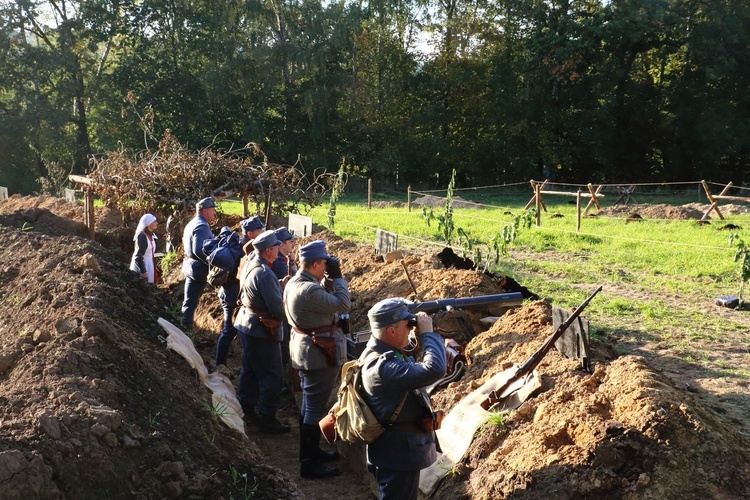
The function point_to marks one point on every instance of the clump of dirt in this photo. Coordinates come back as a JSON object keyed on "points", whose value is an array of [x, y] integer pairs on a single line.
{"points": [[388, 204], [93, 405], [623, 431], [436, 201]]}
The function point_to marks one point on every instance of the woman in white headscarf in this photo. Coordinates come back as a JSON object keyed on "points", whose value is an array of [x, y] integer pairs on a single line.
{"points": [[143, 261]]}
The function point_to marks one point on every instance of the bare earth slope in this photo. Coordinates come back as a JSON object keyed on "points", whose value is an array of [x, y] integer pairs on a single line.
{"points": [[92, 405]]}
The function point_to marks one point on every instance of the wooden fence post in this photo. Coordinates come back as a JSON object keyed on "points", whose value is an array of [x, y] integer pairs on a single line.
{"points": [[408, 197], [537, 195], [578, 211], [369, 193], [88, 210]]}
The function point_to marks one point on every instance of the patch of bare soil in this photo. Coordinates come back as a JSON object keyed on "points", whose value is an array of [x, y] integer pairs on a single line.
{"points": [[388, 204], [671, 212], [94, 405], [654, 211], [436, 201]]}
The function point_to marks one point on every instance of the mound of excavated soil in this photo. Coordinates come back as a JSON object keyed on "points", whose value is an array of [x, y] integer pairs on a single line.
{"points": [[662, 211], [621, 432], [436, 201], [92, 403]]}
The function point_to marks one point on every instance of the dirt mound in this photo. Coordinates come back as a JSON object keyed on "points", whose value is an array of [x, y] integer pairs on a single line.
{"points": [[658, 211], [93, 405], [436, 201], [621, 432], [388, 204]]}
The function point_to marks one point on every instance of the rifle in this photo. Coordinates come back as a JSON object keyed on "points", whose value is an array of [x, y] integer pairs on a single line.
{"points": [[497, 396], [433, 306]]}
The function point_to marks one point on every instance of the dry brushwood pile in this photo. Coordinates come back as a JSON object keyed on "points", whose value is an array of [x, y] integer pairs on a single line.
{"points": [[175, 177], [94, 406]]}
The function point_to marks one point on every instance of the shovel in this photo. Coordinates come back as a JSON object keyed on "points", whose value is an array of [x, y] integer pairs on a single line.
{"points": [[515, 388]]}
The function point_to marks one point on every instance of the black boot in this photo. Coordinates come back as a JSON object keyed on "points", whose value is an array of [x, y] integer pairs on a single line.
{"points": [[310, 461], [269, 424]]}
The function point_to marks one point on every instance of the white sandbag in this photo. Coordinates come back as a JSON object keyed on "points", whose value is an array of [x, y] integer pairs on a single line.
{"points": [[223, 396], [460, 425]]}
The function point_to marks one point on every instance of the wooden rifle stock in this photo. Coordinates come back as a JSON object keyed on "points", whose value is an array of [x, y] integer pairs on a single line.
{"points": [[531, 363]]}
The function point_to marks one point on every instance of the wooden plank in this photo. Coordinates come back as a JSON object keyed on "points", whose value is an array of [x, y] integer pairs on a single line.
{"points": [[594, 198], [81, 179], [732, 198], [300, 225], [385, 242], [574, 343]]}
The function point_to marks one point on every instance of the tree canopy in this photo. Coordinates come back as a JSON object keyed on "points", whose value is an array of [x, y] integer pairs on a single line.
{"points": [[403, 91]]}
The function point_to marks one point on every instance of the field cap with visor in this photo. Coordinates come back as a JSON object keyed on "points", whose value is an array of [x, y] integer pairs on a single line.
{"points": [[264, 240], [205, 203], [283, 234], [251, 224], [388, 312], [313, 251]]}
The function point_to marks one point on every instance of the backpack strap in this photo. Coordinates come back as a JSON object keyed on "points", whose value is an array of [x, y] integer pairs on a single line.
{"points": [[400, 406]]}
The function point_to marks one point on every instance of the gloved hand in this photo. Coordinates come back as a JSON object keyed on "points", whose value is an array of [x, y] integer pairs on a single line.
{"points": [[333, 268]]}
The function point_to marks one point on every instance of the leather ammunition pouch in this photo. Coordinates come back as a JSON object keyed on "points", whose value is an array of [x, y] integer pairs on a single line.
{"points": [[271, 325], [324, 339]]}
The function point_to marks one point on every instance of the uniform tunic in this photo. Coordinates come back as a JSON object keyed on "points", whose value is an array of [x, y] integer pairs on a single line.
{"points": [[261, 374], [386, 378], [194, 266], [308, 305]]}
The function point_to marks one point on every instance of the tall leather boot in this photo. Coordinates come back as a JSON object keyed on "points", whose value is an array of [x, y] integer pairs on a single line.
{"points": [[323, 455], [310, 464]]}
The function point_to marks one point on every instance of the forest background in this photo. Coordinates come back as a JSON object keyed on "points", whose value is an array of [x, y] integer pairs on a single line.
{"points": [[401, 90]]}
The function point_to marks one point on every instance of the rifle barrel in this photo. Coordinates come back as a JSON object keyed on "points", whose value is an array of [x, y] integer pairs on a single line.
{"points": [[431, 306]]}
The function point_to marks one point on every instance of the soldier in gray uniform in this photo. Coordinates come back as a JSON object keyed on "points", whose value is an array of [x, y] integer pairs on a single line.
{"points": [[317, 347], [259, 326], [391, 379]]}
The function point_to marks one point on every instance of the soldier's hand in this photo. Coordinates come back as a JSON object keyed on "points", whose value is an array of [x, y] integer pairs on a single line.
{"points": [[333, 268], [424, 323]]}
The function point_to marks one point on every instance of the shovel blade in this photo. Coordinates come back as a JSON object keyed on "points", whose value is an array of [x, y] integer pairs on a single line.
{"points": [[518, 392]]}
